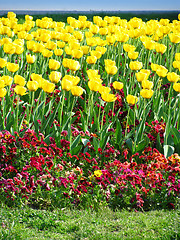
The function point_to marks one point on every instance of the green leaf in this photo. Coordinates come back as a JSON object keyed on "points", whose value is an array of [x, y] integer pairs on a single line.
{"points": [[95, 143], [51, 118], [104, 141], [176, 135], [75, 142], [129, 144], [142, 144], [158, 144], [131, 116], [85, 141], [75, 150], [168, 150], [118, 132]]}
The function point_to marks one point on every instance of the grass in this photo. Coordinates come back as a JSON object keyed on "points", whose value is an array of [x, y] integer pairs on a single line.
{"points": [[27, 223]]}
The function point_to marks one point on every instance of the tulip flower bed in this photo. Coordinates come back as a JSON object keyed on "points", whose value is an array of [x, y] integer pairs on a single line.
{"points": [[90, 112]]}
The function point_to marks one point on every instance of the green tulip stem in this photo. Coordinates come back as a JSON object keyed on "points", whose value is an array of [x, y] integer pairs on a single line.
{"points": [[171, 57], [17, 111], [73, 104], [99, 112], [88, 108], [127, 122], [31, 107], [148, 58], [61, 111], [125, 56], [178, 120], [2, 112], [169, 116], [102, 119], [44, 104]]}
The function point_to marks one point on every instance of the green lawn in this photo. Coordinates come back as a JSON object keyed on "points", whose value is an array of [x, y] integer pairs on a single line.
{"points": [[27, 223]]}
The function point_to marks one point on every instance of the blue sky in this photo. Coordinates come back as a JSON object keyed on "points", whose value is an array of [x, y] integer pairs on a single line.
{"points": [[90, 5]]}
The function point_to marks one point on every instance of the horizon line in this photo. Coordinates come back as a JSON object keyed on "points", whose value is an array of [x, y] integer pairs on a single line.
{"points": [[90, 10]]}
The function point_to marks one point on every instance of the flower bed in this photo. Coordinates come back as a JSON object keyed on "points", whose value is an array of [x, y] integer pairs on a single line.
{"points": [[90, 112]]}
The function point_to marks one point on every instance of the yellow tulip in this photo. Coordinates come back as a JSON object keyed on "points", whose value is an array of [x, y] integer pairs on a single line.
{"points": [[7, 80], [107, 97], [149, 44], [75, 80], [111, 39], [28, 18], [103, 31], [172, 77], [3, 92], [94, 29], [55, 77], [2, 83], [147, 71], [66, 62], [176, 64], [146, 93], [11, 15], [162, 71], [32, 86], [95, 53], [3, 62], [20, 90], [117, 85], [109, 62], [177, 56], [58, 52], [74, 65], [53, 64], [92, 73], [9, 48], [146, 84], [131, 99], [91, 59], [174, 37], [160, 48], [135, 65], [122, 37], [61, 44], [100, 49], [78, 35], [39, 48], [111, 70], [154, 66], [128, 48], [140, 76], [68, 50], [19, 80], [82, 18], [46, 53], [48, 87], [104, 89], [38, 78], [85, 49], [77, 53], [94, 85], [30, 59], [133, 55], [50, 45], [176, 87], [66, 84], [12, 67], [18, 49], [77, 91], [164, 21]]}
